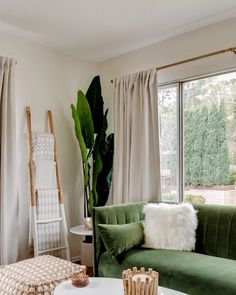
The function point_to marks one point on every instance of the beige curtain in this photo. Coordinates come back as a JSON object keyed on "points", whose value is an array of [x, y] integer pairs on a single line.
{"points": [[9, 237], [136, 170]]}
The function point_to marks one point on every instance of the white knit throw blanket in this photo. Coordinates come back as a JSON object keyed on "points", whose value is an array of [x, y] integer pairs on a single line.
{"points": [[47, 206], [45, 174], [42, 146]]}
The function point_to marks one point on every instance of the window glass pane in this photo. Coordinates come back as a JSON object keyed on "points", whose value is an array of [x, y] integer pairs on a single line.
{"points": [[210, 139], [168, 142]]}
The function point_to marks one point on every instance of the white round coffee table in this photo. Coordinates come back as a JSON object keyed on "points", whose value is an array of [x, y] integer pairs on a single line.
{"points": [[104, 286]]}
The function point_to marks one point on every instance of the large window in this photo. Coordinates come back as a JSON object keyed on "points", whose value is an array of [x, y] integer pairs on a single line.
{"points": [[198, 140]]}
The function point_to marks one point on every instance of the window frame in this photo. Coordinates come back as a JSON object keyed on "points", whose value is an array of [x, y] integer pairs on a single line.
{"points": [[180, 124]]}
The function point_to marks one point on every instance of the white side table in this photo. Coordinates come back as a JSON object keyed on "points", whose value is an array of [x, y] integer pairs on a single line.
{"points": [[86, 248], [104, 286]]}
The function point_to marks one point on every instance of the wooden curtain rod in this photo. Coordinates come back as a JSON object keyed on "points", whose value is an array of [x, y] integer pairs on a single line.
{"points": [[231, 49]]}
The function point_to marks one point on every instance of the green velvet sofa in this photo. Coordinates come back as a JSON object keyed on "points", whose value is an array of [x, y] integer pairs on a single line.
{"points": [[211, 269]]}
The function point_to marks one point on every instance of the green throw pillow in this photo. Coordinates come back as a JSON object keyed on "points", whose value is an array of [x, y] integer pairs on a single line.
{"points": [[121, 237]]}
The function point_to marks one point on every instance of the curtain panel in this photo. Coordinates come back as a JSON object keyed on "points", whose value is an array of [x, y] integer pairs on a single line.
{"points": [[9, 232], [136, 170]]}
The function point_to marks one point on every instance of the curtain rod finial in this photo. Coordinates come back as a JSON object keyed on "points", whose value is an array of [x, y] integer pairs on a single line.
{"points": [[233, 50]]}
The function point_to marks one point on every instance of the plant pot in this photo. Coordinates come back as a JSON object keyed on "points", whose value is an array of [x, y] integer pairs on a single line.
{"points": [[87, 253]]}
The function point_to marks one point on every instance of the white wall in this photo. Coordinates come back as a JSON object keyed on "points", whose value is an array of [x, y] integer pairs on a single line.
{"points": [[48, 79], [201, 41]]}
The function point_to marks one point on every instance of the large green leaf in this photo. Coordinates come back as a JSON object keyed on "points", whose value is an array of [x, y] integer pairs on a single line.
{"points": [[97, 167], [103, 159], [86, 121], [91, 202], [97, 160], [82, 145], [105, 176], [104, 125], [95, 100]]}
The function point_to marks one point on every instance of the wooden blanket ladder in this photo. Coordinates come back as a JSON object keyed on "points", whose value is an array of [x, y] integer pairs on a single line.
{"points": [[33, 193]]}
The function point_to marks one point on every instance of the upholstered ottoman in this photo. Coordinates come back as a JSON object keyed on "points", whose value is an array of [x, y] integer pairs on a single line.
{"points": [[38, 275]]}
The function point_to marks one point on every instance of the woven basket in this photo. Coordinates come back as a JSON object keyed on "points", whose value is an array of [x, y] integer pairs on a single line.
{"points": [[39, 275]]}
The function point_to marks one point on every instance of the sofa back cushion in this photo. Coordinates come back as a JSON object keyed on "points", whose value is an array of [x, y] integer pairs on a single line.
{"points": [[216, 231], [119, 214]]}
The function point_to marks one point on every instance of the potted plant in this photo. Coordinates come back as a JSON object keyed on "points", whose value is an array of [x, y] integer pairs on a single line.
{"points": [[96, 146]]}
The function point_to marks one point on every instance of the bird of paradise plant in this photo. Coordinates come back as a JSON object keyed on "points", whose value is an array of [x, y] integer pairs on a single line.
{"points": [[96, 146]]}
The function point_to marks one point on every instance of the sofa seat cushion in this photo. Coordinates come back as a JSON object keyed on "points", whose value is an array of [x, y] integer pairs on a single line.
{"points": [[188, 272]]}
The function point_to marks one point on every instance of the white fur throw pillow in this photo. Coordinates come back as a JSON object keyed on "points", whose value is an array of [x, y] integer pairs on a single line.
{"points": [[170, 226]]}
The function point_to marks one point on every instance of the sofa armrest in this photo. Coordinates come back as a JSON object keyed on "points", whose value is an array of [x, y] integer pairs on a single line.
{"points": [[116, 214]]}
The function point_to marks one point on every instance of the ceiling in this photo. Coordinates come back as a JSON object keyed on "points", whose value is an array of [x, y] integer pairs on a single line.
{"points": [[96, 30]]}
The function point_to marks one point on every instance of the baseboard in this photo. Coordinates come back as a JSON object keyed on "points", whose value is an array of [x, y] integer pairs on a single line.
{"points": [[75, 258]]}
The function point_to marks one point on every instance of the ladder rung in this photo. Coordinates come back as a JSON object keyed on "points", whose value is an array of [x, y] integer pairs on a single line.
{"points": [[55, 189], [53, 249], [49, 220]]}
